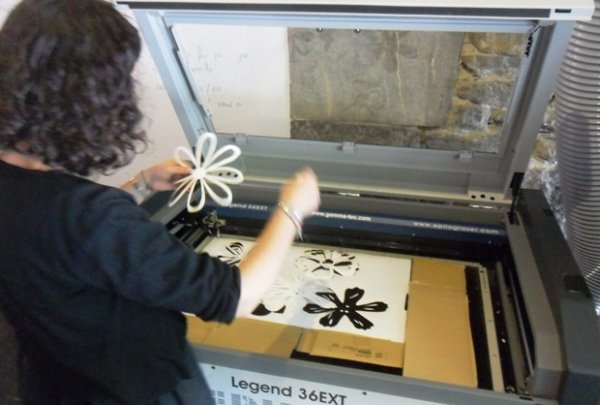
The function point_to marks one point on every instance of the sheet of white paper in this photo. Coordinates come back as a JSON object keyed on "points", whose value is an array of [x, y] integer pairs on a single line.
{"points": [[384, 278]]}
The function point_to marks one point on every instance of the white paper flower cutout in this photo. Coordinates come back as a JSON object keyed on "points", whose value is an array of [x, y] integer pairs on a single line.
{"points": [[324, 264], [207, 171], [287, 292]]}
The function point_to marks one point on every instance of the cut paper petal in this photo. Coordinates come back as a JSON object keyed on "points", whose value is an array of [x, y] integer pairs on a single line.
{"points": [[324, 264], [208, 171], [261, 310]]}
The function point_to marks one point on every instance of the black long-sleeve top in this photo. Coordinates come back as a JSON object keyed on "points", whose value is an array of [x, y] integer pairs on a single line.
{"points": [[95, 290]]}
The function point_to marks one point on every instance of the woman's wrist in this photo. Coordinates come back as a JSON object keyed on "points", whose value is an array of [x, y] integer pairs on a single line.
{"points": [[293, 215], [141, 186]]}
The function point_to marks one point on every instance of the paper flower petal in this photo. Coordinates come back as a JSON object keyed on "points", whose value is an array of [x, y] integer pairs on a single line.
{"points": [[208, 170], [191, 207], [235, 153], [206, 144], [182, 189], [221, 200], [225, 174], [325, 264]]}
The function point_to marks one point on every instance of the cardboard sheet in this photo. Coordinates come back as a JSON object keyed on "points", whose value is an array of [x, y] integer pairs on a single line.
{"points": [[439, 273], [439, 345], [352, 347], [246, 335]]}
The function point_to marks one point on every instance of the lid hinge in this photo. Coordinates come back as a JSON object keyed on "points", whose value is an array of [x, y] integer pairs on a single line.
{"points": [[241, 138], [465, 156], [515, 185], [348, 147]]}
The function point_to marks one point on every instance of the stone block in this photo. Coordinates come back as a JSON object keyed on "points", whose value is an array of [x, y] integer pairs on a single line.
{"points": [[498, 43], [494, 92], [372, 134], [374, 77], [492, 65]]}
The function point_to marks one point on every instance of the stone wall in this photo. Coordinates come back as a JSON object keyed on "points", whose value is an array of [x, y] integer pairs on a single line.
{"points": [[413, 89], [496, 58], [489, 64], [376, 87], [542, 173]]}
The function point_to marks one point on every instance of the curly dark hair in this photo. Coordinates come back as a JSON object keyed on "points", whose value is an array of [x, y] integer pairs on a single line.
{"points": [[66, 90]]}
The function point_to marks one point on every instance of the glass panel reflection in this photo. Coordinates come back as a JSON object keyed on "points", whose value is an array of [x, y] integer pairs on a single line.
{"points": [[437, 90]]}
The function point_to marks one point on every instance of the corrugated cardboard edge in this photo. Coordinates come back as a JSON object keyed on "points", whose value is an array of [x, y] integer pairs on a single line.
{"points": [[439, 345], [247, 335], [346, 346], [278, 340]]}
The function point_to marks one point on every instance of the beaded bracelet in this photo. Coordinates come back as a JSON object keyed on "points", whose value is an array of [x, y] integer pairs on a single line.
{"points": [[293, 214]]}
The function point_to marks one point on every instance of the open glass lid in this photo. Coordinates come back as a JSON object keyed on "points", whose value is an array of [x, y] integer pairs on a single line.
{"points": [[389, 98]]}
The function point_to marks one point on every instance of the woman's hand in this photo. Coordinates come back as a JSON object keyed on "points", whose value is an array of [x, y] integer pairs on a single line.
{"points": [[160, 177], [301, 192], [163, 176]]}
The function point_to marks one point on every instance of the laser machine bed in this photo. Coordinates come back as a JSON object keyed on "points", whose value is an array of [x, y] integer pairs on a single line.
{"points": [[428, 275]]}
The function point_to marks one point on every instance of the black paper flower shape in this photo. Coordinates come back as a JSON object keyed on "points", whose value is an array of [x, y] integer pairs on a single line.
{"points": [[349, 308], [234, 255]]}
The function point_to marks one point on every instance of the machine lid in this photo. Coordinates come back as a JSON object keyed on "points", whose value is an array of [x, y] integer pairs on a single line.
{"points": [[538, 9], [444, 106]]}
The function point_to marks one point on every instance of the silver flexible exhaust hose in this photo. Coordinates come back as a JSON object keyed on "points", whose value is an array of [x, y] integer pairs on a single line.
{"points": [[577, 130]]}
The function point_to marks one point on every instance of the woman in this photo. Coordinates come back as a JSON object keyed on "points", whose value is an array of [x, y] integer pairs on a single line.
{"points": [[94, 289]]}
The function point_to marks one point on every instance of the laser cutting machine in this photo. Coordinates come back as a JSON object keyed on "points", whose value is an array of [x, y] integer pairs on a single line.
{"points": [[419, 119]]}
